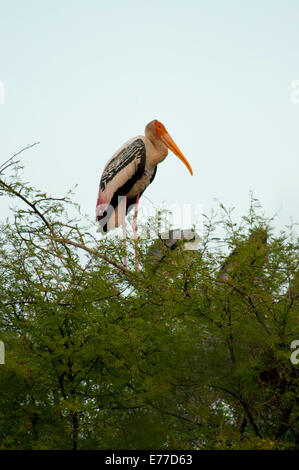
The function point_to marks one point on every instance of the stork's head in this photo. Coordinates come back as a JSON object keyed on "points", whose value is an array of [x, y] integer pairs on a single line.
{"points": [[156, 130]]}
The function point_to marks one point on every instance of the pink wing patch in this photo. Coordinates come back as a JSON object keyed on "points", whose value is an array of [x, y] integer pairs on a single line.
{"points": [[101, 204]]}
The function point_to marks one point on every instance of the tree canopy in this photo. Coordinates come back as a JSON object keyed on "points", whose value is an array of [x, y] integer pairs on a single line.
{"points": [[192, 352]]}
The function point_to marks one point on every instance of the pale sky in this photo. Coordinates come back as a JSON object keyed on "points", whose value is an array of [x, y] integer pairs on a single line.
{"points": [[84, 77]]}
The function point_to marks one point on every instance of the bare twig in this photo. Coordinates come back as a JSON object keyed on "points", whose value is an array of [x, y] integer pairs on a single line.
{"points": [[9, 162], [92, 252]]}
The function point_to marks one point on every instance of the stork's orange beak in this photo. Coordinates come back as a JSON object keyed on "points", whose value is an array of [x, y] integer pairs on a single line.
{"points": [[169, 142]]}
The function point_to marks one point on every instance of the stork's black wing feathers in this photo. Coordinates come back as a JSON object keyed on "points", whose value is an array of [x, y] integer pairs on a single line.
{"points": [[119, 176], [132, 201], [133, 152]]}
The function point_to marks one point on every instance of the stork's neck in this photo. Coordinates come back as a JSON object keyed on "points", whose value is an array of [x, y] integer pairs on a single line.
{"points": [[158, 152]]}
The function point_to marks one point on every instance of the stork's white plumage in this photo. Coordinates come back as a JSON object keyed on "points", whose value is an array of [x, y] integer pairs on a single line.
{"points": [[128, 173]]}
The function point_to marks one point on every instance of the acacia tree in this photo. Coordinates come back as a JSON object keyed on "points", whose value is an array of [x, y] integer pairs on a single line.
{"points": [[192, 353]]}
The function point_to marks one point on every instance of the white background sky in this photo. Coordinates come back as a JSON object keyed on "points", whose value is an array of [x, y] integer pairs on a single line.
{"points": [[82, 77]]}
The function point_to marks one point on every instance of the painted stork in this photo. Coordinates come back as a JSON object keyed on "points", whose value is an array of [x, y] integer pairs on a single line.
{"points": [[128, 173]]}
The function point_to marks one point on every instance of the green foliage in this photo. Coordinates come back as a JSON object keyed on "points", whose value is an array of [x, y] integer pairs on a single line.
{"points": [[191, 353]]}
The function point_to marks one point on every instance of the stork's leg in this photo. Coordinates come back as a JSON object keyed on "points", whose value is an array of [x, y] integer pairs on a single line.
{"points": [[125, 233], [135, 232]]}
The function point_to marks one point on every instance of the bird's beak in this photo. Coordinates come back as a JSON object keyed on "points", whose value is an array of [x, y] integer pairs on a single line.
{"points": [[169, 142]]}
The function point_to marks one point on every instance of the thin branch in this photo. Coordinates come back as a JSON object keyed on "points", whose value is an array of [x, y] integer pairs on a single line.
{"points": [[92, 252], [9, 161], [30, 204]]}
